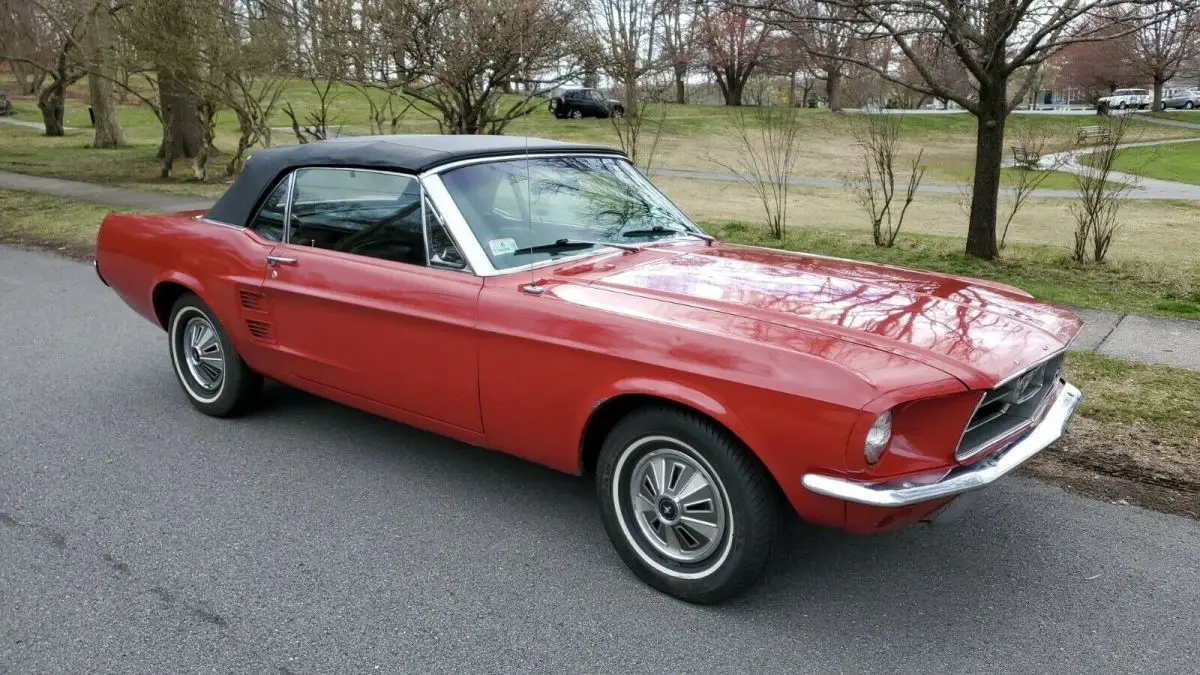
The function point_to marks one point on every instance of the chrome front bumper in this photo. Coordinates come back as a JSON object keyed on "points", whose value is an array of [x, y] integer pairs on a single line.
{"points": [[963, 479]]}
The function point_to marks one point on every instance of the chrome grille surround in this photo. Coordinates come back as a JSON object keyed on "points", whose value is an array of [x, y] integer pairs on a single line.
{"points": [[1014, 404]]}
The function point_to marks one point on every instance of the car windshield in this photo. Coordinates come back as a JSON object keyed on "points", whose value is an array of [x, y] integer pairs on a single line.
{"points": [[525, 211]]}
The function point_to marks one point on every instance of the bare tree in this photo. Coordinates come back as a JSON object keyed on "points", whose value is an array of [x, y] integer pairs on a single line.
{"points": [[1000, 43], [26, 39], [1100, 196], [629, 130], [826, 32], [768, 142], [627, 31], [1030, 146], [99, 47], [458, 56], [878, 134], [733, 41], [316, 122], [1161, 47], [63, 25], [678, 41], [386, 106]]}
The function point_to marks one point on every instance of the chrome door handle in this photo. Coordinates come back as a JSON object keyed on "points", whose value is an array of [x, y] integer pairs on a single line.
{"points": [[273, 260]]}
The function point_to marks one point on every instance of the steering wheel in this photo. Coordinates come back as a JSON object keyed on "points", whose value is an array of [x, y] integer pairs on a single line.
{"points": [[367, 234]]}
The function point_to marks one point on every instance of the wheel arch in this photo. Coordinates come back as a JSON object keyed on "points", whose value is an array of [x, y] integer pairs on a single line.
{"points": [[607, 413], [166, 293]]}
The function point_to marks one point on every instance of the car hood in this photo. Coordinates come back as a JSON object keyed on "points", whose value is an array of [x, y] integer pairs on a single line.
{"points": [[976, 331]]}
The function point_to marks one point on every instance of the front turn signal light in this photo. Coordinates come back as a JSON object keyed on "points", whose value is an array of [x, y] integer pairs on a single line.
{"points": [[877, 438]]}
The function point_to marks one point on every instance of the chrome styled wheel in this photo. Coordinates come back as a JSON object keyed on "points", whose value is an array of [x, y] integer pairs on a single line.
{"points": [[213, 375], [576, 114], [677, 505], [687, 506], [203, 354]]}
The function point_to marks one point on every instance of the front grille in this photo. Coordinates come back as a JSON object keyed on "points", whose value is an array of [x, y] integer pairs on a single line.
{"points": [[1009, 407]]}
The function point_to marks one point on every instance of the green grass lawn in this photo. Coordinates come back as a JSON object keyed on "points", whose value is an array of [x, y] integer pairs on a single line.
{"points": [[1044, 271], [1176, 162], [1180, 115]]}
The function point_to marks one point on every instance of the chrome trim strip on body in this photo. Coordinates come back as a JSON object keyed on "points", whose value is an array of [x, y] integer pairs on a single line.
{"points": [[96, 266], [286, 237], [456, 224], [540, 154], [203, 219], [899, 493], [1036, 364]]}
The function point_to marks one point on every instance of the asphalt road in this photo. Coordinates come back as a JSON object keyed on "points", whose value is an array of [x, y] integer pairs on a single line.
{"points": [[139, 536]]}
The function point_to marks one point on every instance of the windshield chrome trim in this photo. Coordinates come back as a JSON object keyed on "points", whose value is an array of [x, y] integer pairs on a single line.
{"points": [[540, 154], [478, 260]]}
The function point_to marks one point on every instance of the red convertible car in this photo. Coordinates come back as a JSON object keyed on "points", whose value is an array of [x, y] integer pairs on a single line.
{"points": [[546, 300]]}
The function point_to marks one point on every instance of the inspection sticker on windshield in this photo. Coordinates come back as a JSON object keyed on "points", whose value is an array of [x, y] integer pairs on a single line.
{"points": [[502, 246]]}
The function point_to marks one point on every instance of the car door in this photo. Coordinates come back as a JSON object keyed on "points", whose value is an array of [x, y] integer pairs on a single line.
{"points": [[596, 103], [358, 308]]}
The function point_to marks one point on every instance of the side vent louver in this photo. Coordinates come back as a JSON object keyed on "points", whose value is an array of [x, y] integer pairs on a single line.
{"points": [[251, 300], [259, 329]]}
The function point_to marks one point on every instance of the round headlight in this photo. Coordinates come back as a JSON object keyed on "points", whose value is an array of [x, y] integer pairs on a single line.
{"points": [[878, 437]]}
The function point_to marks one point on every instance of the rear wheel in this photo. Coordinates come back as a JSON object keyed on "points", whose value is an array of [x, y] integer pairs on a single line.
{"points": [[1189, 105], [213, 376], [690, 511], [575, 114]]}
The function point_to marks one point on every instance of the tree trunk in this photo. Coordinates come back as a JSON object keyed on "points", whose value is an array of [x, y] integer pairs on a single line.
{"points": [[183, 129], [680, 83], [732, 84], [989, 153], [50, 102], [631, 99], [792, 90], [833, 89], [107, 132], [1158, 93]]}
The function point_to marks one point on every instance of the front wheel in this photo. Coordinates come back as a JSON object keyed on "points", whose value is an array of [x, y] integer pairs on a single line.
{"points": [[215, 379], [575, 114], [1189, 105], [689, 509]]}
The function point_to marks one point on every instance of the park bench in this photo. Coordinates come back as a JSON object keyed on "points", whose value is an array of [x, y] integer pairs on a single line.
{"points": [[1094, 132], [1025, 158]]}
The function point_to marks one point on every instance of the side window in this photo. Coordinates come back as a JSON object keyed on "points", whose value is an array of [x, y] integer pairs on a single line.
{"points": [[442, 250], [268, 222], [368, 213]]}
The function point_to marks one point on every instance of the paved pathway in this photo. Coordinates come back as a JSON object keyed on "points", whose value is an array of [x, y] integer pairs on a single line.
{"points": [[1143, 188], [126, 198], [28, 124]]}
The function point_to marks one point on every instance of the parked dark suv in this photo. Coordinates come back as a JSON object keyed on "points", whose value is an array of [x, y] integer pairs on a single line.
{"points": [[578, 103]]}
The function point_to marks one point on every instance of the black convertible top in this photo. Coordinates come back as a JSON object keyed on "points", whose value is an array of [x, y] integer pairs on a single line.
{"points": [[410, 154]]}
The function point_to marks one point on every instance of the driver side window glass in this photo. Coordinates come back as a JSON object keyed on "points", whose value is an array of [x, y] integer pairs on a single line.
{"points": [[367, 213]]}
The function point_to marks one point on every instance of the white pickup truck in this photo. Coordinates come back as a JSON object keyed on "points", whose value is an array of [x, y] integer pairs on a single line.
{"points": [[1125, 98]]}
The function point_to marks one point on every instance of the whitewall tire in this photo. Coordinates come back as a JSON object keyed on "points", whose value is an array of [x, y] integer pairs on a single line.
{"points": [[212, 374], [689, 509]]}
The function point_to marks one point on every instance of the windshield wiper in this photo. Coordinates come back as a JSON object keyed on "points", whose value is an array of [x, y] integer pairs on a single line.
{"points": [[567, 244], [659, 229]]}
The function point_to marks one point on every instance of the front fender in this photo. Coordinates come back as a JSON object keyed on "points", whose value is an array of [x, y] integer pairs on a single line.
{"points": [[676, 392]]}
